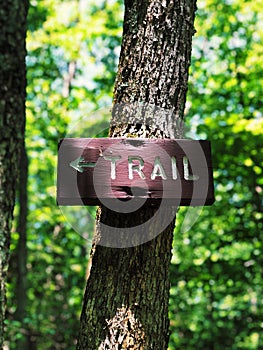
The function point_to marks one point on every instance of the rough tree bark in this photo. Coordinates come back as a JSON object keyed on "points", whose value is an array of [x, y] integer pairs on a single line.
{"points": [[13, 15], [127, 294], [21, 253]]}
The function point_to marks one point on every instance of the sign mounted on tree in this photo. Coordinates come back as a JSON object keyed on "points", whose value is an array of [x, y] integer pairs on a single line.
{"points": [[91, 171]]}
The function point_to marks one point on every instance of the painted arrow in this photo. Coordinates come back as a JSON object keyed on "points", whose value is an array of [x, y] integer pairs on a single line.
{"points": [[80, 163]]}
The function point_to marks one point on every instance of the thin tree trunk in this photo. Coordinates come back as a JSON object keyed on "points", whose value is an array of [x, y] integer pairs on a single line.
{"points": [[21, 286], [12, 121], [126, 299]]}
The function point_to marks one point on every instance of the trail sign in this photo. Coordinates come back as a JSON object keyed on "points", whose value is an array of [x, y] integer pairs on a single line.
{"points": [[93, 170]]}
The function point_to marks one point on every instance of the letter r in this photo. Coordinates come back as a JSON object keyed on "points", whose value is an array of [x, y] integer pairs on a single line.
{"points": [[135, 167]]}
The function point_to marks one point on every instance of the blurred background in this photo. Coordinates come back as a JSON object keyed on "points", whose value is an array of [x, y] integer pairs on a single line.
{"points": [[217, 266]]}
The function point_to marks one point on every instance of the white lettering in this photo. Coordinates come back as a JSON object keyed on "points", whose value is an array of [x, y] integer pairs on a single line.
{"points": [[158, 169], [136, 164], [113, 160], [174, 168], [135, 167], [187, 176]]}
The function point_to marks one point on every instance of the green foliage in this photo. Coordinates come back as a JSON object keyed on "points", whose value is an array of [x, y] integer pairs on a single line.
{"points": [[216, 272], [61, 34], [216, 295]]}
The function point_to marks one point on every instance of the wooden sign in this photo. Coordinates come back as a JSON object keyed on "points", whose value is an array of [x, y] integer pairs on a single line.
{"points": [[93, 170]]}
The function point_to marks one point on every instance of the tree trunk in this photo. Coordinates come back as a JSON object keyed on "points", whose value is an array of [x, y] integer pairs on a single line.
{"points": [[21, 284], [12, 123], [127, 294]]}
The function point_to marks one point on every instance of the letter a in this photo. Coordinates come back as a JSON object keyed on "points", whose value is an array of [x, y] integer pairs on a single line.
{"points": [[158, 169]]}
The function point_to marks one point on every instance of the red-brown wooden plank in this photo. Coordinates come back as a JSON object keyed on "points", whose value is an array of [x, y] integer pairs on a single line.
{"points": [[91, 171]]}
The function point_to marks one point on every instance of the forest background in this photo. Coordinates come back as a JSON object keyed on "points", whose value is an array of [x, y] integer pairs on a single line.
{"points": [[217, 266]]}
